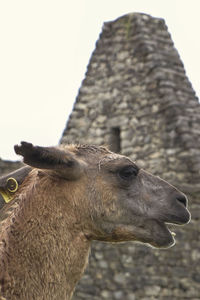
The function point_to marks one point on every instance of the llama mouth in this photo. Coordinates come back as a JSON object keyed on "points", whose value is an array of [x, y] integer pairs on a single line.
{"points": [[169, 234], [162, 236], [162, 231], [181, 217], [171, 228]]}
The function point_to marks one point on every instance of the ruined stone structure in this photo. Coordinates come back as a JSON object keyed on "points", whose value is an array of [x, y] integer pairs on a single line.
{"points": [[7, 166], [137, 99]]}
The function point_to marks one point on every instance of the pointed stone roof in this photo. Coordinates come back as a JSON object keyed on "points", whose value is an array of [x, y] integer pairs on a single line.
{"points": [[136, 95]]}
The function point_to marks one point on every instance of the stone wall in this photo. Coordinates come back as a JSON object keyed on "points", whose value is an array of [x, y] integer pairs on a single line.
{"points": [[137, 98], [7, 166]]}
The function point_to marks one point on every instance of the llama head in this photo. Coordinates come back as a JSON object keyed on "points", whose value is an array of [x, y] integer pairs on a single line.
{"points": [[116, 200]]}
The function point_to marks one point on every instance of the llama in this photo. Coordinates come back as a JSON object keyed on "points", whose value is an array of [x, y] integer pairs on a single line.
{"points": [[73, 195]]}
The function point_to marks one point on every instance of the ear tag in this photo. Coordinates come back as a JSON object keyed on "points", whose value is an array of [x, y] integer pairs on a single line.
{"points": [[12, 185], [6, 196], [10, 188]]}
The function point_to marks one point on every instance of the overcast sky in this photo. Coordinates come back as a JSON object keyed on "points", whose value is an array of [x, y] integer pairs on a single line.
{"points": [[46, 46]]}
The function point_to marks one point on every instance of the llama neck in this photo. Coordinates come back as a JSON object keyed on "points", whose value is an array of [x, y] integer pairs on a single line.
{"points": [[43, 256]]}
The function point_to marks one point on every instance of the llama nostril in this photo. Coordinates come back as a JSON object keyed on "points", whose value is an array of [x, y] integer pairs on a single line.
{"points": [[182, 199]]}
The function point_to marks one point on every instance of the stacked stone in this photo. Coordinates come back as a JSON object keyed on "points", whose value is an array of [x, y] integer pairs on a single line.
{"points": [[136, 95]]}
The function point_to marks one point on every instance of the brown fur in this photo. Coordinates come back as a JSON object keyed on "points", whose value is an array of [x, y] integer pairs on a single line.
{"points": [[74, 196]]}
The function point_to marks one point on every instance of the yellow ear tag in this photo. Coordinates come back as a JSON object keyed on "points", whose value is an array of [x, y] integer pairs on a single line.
{"points": [[6, 196], [12, 185], [10, 188]]}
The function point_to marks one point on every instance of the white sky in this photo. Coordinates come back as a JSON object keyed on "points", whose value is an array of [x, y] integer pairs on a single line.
{"points": [[46, 46]]}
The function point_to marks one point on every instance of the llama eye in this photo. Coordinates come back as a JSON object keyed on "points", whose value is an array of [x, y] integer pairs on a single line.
{"points": [[129, 172]]}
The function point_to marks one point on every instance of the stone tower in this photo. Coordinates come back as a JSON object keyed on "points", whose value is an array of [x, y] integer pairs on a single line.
{"points": [[137, 99]]}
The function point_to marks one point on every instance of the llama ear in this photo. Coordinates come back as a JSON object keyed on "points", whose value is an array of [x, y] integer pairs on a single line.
{"points": [[60, 161]]}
